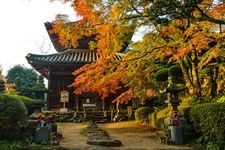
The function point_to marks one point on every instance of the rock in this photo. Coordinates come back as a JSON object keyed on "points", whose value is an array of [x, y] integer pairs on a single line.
{"points": [[105, 142], [99, 148], [98, 136], [91, 124]]}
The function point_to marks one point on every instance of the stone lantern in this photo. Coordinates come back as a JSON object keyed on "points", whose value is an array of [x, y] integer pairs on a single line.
{"points": [[173, 89]]}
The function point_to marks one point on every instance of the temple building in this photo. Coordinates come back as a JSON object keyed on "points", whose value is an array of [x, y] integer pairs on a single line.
{"points": [[57, 69]]}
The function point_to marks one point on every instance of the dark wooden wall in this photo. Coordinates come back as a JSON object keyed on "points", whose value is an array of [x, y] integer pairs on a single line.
{"points": [[57, 84]]}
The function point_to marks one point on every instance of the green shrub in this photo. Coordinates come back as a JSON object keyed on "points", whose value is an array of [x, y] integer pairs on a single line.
{"points": [[162, 74], [159, 119], [12, 116], [184, 111], [221, 99], [199, 100], [6, 145], [141, 114], [28, 102], [175, 70], [209, 119]]}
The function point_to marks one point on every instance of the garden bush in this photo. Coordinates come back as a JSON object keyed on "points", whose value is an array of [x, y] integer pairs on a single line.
{"points": [[175, 70], [221, 99], [6, 145], [162, 74], [209, 119], [28, 102], [141, 114], [12, 117], [159, 119]]}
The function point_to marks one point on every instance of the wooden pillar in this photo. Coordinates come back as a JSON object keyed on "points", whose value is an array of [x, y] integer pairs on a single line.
{"points": [[77, 105], [103, 105], [49, 89]]}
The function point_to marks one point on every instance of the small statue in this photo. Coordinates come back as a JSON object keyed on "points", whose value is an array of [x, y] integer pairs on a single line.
{"points": [[41, 121]]}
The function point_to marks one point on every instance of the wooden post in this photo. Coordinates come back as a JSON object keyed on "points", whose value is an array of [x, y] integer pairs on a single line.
{"points": [[77, 106], [49, 88], [103, 105], [111, 110], [85, 115]]}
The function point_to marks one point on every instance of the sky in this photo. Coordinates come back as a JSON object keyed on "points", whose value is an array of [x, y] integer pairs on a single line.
{"points": [[22, 29]]}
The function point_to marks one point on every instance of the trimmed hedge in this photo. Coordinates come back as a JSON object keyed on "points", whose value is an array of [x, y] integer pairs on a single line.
{"points": [[141, 114], [12, 117], [209, 119]]}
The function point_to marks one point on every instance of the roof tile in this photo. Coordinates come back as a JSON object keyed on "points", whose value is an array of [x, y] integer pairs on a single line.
{"points": [[69, 56]]}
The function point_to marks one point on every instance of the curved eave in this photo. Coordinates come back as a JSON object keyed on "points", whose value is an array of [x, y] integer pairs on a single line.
{"points": [[70, 57]]}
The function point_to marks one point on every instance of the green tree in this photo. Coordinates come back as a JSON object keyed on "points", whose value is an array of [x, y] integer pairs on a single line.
{"points": [[2, 81], [39, 88], [24, 78]]}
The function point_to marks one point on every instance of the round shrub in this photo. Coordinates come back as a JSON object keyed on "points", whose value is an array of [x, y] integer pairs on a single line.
{"points": [[28, 102], [161, 75], [209, 119], [12, 117], [175, 70], [141, 114]]}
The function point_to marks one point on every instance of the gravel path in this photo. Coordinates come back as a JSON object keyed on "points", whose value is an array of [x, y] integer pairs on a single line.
{"points": [[71, 136], [132, 138]]}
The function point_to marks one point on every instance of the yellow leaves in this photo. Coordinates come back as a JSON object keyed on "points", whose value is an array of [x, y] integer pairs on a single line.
{"points": [[190, 31], [10, 88], [208, 56], [117, 11]]}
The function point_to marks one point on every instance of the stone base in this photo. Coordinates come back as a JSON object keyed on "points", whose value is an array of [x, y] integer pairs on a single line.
{"points": [[108, 143], [63, 110]]}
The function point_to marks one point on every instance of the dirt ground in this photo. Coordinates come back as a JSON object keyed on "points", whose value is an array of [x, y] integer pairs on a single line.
{"points": [[132, 138]]}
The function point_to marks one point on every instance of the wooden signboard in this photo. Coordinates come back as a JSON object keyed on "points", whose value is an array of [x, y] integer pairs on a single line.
{"points": [[64, 96]]}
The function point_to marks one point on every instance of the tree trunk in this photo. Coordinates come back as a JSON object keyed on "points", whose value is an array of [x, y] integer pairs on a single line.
{"points": [[187, 78], [213, 74], [191, 78]]}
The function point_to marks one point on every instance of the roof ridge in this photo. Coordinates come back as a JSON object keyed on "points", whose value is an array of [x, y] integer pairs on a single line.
{"points": [[75, 50]]}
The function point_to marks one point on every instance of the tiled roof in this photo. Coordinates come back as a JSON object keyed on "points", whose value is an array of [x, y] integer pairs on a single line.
{"points": [[70, 56]]}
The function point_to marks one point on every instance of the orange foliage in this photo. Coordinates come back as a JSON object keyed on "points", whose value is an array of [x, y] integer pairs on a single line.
{"points": [[178, 38], [151, 92], [97, 78], [206, 2], [86, 11], [218, 11], [124, 97]]}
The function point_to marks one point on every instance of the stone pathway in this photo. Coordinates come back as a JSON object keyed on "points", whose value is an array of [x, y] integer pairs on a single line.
{"points": [[132, 139]]}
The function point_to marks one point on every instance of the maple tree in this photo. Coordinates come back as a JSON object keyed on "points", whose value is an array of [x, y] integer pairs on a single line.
{"points": [[183, 31]]}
